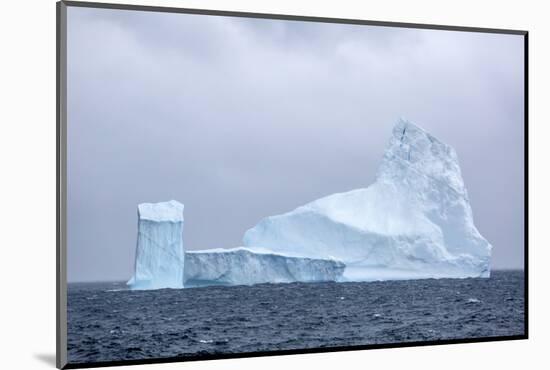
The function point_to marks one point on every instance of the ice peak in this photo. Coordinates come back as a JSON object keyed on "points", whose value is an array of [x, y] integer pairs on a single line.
{"points": [[414, 221], [171, 211], [413, 152], [404, 127], [413, 137]]}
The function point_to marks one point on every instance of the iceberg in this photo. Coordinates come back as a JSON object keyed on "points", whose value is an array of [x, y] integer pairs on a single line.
{"points": [[242, 266], [415, 220], [159, 250]]}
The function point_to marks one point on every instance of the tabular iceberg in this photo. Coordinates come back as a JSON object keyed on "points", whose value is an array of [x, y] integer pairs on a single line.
{"points": [[243, 266], [415, 221], [159, 251], [162, 263]]}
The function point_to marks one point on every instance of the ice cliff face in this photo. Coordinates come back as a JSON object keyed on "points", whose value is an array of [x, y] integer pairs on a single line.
{"points": [[415, 221], [159, 251], [242, 266]]}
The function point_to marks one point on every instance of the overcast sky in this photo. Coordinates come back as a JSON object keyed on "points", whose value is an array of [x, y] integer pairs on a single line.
{"points": [[240, 119]]}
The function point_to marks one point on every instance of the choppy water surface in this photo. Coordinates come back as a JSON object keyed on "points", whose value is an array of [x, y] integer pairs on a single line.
{"points": [[108, 323]]}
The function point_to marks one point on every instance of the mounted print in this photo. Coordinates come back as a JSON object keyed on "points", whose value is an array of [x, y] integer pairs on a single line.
{"points": [[237, 184]]}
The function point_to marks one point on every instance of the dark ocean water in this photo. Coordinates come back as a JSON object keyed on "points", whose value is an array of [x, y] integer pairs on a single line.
{"points": [[108, 323]]}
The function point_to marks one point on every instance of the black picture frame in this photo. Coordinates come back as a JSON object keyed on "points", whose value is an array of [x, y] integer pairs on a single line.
{"points": [[61, 185]]}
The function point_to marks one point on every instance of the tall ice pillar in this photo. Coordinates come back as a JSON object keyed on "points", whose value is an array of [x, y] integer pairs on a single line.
{"points": [[159, 251]]}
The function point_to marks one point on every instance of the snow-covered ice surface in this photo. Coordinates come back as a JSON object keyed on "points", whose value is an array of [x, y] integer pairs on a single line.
{"points": [[159, 250], [241, 266], [414, 221]]}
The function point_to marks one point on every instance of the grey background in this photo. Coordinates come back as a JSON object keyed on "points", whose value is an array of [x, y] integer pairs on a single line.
{"points": [[244, 118]]}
